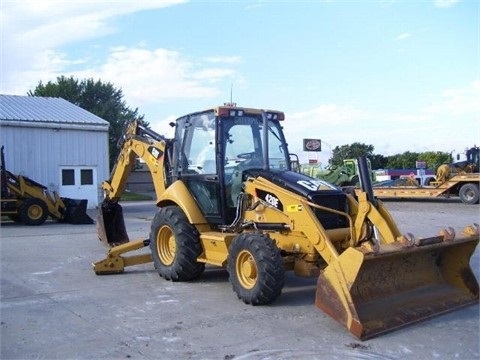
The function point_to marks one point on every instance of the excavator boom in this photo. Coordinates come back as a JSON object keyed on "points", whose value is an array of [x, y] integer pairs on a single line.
{"points": [[138, 141]]}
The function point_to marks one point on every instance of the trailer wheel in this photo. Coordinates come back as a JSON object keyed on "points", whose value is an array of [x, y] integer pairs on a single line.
{"points": [[469, 193], [33, 211], [255, 268], [175, 245]]}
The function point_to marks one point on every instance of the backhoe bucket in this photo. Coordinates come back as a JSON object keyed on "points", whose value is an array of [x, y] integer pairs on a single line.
{"points": [[111, 225], [76, 211], [375, 293]]}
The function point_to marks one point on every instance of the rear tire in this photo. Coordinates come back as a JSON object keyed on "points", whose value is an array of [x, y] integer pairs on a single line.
{"points": [[33, 211], [469, 193], [255, 268], [175, 245]]}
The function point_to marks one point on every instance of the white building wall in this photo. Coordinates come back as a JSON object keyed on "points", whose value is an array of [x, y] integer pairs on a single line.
{"points": [[38, 153]]}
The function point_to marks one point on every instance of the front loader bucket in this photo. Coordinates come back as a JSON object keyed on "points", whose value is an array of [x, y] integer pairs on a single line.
{"points": [[111, 225], [76, 211], [375, 293]]}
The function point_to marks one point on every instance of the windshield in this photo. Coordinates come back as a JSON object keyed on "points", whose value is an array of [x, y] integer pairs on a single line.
{"points": [[243, 143]]}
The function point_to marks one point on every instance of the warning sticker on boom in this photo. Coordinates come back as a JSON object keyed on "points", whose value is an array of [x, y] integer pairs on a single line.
{"points": [[294, 208]]}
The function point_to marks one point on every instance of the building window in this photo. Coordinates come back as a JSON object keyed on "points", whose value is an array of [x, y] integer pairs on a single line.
{"points": [[68, 177], [86, 177]]}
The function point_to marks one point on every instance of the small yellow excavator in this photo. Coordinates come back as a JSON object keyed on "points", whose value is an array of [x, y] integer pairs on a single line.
{"points": [[227, 196]]}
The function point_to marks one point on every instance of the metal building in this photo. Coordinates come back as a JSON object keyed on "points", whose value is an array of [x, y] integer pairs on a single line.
{"points": [[55, 143]]}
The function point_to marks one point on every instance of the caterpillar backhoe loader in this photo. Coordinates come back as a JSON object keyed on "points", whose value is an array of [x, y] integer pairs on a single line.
{"points": [[227, 197], [29, 202]]}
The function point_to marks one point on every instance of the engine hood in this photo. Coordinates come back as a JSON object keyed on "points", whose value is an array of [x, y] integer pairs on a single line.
{"points": [[298, 183]]}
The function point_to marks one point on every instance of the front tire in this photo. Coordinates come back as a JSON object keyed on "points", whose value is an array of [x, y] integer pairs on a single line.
{"points": [[469, 194], [33, 211], [255, 268], [175, 245]]}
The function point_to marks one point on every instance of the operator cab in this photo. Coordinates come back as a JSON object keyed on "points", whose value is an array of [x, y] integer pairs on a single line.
{"points": [[214, 147]]}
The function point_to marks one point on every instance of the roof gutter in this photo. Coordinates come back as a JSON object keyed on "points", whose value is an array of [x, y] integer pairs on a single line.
{"points": [[55, 126]]}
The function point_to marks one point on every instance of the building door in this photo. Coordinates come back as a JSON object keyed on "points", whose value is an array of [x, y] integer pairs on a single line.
{"points": [[79, 182]]}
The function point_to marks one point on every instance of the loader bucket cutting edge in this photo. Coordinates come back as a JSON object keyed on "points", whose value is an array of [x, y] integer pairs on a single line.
{"points": [[111, 225], [377, 293], [76, 211]]}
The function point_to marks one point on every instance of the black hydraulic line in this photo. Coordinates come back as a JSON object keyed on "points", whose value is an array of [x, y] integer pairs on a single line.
{"points": [[151, 133], [365, 179]]}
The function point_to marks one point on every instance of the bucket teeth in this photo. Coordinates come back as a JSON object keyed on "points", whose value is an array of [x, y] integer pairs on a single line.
{"points": [[407, 240], [448, 234], [471, 230]]}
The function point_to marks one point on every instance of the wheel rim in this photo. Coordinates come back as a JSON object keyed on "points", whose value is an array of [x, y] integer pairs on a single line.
{"points": [[469, 194], [35, 212], [246, 269], [166, 246]]}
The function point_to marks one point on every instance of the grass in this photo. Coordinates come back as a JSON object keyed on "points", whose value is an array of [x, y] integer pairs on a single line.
{"points": [[130, 196]]}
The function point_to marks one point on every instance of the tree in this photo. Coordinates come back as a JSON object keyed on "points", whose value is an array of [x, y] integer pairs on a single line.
{"points": [[352, 151], [101, 99], [378, 161], [434, 159], [407, 160]]}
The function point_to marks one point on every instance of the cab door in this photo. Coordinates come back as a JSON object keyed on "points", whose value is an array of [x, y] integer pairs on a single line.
{"points": [[197, 162]]}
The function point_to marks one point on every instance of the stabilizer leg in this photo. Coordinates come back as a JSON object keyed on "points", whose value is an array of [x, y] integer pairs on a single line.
{"points": [[114, 263]]}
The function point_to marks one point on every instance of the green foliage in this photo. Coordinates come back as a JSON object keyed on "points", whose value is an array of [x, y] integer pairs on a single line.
{"points": [[129, 196], [406, 160], [352, 151], [402, 161], [435, 158], [101, 99], [378, 161]]}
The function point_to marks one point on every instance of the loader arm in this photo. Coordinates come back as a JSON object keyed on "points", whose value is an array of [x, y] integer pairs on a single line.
{"points": [[371, 278]]}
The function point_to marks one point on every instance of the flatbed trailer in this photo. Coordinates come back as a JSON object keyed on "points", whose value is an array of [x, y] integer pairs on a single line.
{"points": [[465, 186]]}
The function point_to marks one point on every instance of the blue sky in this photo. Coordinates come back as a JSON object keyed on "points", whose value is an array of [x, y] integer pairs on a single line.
{"points": [[399, 75]]}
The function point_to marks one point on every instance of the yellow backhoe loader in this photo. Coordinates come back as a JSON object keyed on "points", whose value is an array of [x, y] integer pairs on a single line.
{"points": [[227, 197], [26, 201]]}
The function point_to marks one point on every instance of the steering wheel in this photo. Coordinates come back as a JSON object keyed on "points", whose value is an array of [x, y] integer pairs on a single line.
{"points": [[251, 160]]}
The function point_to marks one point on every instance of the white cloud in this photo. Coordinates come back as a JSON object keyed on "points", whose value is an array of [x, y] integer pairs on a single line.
{"points": [[403, 36], [213, 75], [224, 59], [145, 75], [156, 75], [445, 3], [328, 114], [32, 31], [334, 124], [450, 121], [457, 102]]}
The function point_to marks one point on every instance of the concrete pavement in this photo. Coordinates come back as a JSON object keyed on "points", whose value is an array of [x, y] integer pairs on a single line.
{"points": [[54, 307]]}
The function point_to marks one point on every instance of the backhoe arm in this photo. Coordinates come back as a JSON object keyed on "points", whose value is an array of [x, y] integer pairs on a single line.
{"points": [[139, 142], [152, 148]]}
